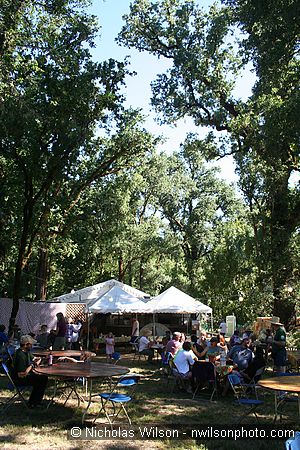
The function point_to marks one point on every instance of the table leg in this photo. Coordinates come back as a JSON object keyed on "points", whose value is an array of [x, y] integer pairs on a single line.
{"points": [[90, 383], [276, 406]]}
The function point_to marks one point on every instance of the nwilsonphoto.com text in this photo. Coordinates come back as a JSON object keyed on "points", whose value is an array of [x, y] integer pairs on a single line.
{"points": [[174, 432]]}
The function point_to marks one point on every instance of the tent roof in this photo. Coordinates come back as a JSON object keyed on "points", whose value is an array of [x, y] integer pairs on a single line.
{"points": [[89, 293], [175, 301], [117, 300]]}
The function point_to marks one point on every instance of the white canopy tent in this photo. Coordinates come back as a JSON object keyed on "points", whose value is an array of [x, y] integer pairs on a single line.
{"points": [[117, 300], [89, 294], [177, 302]]}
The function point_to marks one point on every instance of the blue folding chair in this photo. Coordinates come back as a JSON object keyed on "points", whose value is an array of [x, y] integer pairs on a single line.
{"points": [[17, 391], [242, 398], [116, 401], [166, 369], [116, 356], [293, 443], [11, 351]]}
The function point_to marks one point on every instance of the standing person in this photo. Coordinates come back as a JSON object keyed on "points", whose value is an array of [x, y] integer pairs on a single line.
{"points": [[69, 333], [223, 327], [135, 330], [278, 346], [109, 345], [23, 373], [60, 333], [75, 335]]}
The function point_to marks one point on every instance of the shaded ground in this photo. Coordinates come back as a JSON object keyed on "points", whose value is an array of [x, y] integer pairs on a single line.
{"points": [[156, 403]]}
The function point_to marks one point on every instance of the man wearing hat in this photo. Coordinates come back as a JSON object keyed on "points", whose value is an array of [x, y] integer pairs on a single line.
{"points": [[23, 373], [278, 346]]}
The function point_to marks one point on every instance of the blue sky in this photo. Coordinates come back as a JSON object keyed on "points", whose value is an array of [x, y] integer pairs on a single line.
{"points": [[138, 92]]}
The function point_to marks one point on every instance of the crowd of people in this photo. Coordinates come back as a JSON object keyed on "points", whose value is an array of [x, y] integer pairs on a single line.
{"points": [[243, 352]]}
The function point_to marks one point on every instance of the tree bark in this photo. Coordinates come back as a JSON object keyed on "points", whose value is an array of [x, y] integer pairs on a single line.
{"points": [[42, 275]]}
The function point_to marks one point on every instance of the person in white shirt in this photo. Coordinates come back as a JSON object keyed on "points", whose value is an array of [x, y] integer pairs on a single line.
{"points": [[145, 346], [223, 328], [135, 331], [184, 359]]}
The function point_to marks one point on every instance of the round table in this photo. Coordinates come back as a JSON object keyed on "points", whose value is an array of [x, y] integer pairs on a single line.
{"points": [[285, 383], [88, 370], [59, 353]]}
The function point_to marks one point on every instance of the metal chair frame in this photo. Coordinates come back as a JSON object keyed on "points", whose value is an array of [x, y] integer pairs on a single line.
{"points": [[18, 391], [211, 380], [242, 398], [117, 400]]}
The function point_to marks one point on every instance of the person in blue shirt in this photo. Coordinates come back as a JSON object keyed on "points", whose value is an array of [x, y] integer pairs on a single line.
{"points": [[242, 355], [3, 337]]}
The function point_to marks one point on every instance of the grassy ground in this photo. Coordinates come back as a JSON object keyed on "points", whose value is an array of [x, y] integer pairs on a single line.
{"points": [[155, 403]]}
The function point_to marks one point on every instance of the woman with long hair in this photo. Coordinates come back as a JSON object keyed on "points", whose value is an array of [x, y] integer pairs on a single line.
{"points": [[61, 328]]}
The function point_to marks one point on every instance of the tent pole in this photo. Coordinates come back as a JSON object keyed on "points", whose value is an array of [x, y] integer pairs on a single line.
{"points": [[88, 332], [153, 329], [211, 322]]}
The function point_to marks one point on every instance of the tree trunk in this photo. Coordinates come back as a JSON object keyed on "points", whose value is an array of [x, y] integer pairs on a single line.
{"points": [[21, 262], [42, 275], [141, 274], [281, 264], [121, 268]]}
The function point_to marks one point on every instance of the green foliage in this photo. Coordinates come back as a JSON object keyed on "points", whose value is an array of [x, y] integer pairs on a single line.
{"points": [[263, 131]]}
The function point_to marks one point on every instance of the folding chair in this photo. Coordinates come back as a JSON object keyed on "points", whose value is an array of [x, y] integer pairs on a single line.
{"points": [[16, 390], [117, 401], [180, 381], [252, 386], [204, 373], [293, 443], [11, 352], [135, 346], [165, 364], [242, 398], [116, 356]]}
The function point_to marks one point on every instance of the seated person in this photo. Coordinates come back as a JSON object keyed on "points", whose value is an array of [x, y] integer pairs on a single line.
{"points": [[257, 363], [213, 351], [183, 361], [237, 346], [145, 346], [51, 338], [222, 342], [204, 339], [242, 356], [197, 347], [247, 375], [235, 339], [182, 338], [43, 337], [174, 344], [23, 371]]}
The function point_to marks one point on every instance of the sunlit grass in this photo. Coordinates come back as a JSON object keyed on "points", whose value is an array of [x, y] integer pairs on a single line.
{"points": [[156, 402]]}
